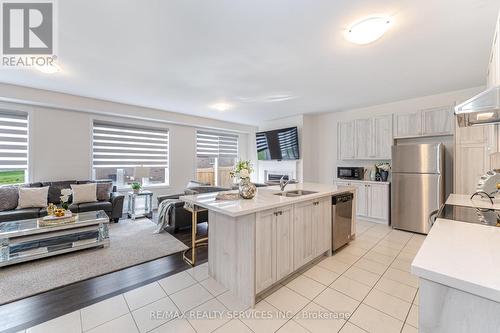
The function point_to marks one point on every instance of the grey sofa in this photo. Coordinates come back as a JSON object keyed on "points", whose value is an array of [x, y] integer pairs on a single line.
{"points": [[113, 206]]}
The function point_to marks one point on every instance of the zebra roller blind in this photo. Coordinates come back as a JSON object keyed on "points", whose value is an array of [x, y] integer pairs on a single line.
{"points": [[122, 146], [216, 144], [13, 141]]}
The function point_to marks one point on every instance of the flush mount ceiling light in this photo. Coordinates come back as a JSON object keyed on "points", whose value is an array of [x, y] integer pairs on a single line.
{"points": [[368, 30], [221, 106], [49, 69]]}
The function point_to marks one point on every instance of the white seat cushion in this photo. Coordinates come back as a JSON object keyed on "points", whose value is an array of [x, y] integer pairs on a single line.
{"points": [[84, 193], [33, 197]]}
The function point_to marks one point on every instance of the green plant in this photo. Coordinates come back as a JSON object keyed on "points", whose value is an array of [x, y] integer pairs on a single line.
{"points": [[136, 186]]}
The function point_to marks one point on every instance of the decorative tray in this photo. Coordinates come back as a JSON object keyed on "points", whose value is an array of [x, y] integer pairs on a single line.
{"points": [[53, 218]]}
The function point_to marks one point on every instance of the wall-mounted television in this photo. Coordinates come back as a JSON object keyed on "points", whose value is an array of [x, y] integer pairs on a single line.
{"points": [[281, 144]]}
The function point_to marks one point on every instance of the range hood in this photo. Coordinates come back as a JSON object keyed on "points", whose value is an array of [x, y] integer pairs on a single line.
{"points": [[482, 109]]}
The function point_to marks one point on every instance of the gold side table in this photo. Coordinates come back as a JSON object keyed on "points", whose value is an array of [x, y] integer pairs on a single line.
{"points": [[195, 242]]}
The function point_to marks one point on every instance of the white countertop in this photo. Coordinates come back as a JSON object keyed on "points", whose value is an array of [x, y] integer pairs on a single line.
{"points": [[264, 199], [477, 201], [464, 256]]}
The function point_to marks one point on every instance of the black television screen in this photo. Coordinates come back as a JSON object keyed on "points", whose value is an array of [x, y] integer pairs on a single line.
{"points": [[282, 144]]}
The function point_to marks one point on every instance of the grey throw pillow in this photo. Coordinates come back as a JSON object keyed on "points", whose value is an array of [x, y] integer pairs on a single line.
{"points": [[9, 196], [104, 191]]}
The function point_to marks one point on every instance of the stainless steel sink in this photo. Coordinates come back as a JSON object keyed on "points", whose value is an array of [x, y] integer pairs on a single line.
{"points": [[295, 193]]}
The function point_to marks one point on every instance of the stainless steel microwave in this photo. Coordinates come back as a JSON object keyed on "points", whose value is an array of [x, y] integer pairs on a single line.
{"points": [[350, 173]]}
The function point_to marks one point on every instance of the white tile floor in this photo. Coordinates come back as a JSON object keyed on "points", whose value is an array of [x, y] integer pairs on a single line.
{"points": [[365, 287]]}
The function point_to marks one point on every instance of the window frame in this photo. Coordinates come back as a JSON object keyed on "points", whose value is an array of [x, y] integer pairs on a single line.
{"points": [[137, 125], [216, 158], [15, 111]]}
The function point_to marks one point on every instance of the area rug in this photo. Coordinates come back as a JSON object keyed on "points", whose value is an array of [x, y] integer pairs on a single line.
{"points": [[131, 243]]}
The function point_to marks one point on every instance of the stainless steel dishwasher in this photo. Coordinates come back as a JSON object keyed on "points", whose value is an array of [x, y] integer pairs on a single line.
{"points": [[341, 219]]}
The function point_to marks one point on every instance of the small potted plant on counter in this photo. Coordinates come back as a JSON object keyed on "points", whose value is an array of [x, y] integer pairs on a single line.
{"points": [[384, 170]]}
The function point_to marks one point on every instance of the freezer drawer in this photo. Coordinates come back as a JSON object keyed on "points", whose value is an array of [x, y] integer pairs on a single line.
{"points": [[413, 198]]}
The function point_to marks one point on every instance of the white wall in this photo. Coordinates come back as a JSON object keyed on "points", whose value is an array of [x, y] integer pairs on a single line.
{"points": [[61, 134], [323, 133]]}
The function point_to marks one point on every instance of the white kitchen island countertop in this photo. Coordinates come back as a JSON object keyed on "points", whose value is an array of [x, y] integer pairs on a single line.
{"points": [[464, 256], [477, 201], [264, 199]]}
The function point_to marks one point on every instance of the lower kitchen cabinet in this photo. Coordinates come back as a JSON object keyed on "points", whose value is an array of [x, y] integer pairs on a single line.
{"points": [[372, 199], [289, 237]]}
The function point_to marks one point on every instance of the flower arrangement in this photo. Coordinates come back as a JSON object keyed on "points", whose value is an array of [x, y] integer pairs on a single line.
{"points": [[65, 193], [242, 170], [383, 166]]}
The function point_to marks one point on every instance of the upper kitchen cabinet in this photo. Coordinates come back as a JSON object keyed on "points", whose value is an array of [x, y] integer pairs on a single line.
{"points": [[493, 78], [345, 140], [408, 125], [426, 122], [437, 121], [382, 127], [365, 139]]}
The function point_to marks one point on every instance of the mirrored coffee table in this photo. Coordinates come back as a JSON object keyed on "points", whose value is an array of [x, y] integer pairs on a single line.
{"points": [[26, 240]]}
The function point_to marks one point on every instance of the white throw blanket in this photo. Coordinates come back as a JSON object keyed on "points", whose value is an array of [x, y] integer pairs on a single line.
{"points": [[164, 213]]}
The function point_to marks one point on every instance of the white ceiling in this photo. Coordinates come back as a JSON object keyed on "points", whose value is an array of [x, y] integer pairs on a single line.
{"points": [[185, 55]]}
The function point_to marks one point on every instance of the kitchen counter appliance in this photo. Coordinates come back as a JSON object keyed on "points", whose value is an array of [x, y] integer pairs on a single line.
{"points": [[484, 216], [341, 219], [417, 185], [353, 173]]}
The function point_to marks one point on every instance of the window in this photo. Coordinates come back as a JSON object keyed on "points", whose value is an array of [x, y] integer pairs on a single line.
{"points": [[128, 154], [216, 155], [13, 148]]}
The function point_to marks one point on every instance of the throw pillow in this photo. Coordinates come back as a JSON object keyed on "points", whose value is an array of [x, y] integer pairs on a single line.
{"points": [[104, 191], [84, 193], [33, 197], [9, 197]]}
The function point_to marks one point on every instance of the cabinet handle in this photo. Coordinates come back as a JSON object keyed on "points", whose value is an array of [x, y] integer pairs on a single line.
{"points": [[281, 212]]}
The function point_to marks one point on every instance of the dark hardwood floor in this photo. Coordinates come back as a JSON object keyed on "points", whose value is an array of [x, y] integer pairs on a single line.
{"points": [[30, 311]]}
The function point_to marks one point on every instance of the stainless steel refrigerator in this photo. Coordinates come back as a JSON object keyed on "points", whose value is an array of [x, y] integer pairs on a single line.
{"points": [[417, 186]]}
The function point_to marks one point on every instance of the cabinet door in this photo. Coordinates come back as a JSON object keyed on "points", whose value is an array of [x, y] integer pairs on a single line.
{"points": [[303, 234], [378, 200], [470, 166], [363, 130], [493, 78], [322, 219], [408, 125], [265, 249], [437, 121], [345, 140], [361, 199], [382, 128], [284, 242]]}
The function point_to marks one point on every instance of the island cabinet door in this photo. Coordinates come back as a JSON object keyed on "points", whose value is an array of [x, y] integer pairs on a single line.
{"points": [[322, 225], [265, 249], [284, 242], [303, 234]]}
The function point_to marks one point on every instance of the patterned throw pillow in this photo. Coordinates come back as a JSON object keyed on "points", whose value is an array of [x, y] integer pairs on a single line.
{"points": [[104, 191], [9, 196]]}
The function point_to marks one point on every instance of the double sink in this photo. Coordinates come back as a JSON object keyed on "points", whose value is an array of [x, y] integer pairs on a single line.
{"points": [[295, 193]]}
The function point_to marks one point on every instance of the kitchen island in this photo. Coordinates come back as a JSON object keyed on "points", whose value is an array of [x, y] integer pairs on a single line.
{"points": [[459, 275], [254, 244]]}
